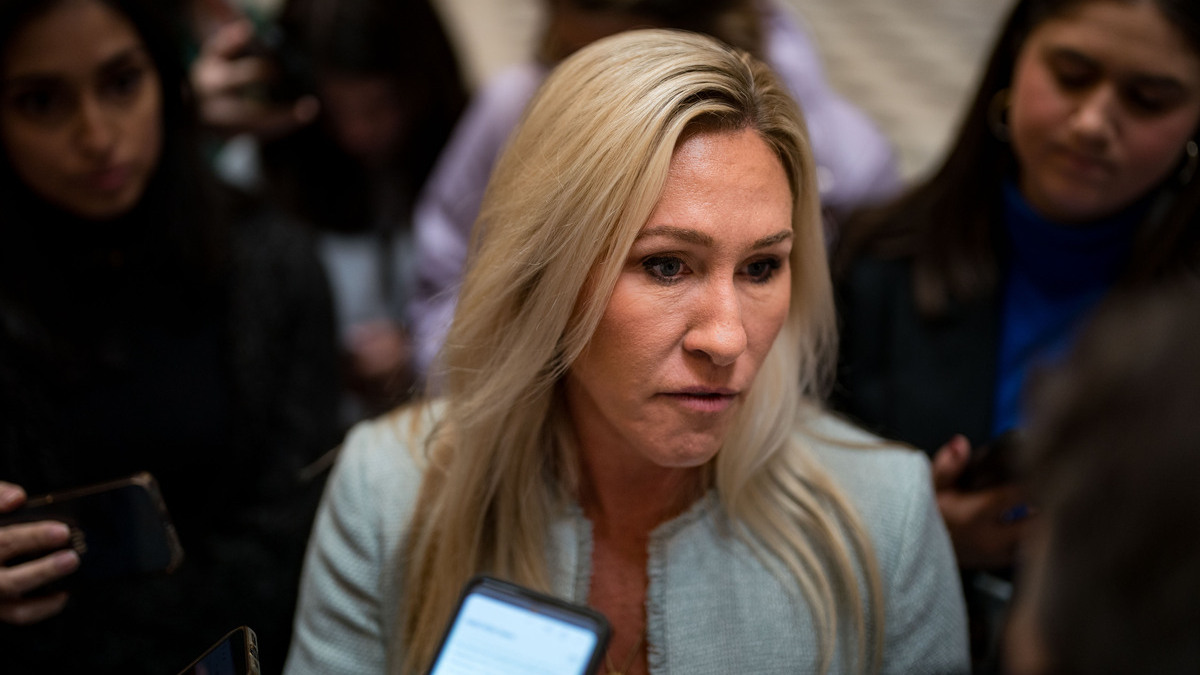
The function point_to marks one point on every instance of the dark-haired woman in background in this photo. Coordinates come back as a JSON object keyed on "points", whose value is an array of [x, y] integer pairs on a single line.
{"points": [[1074, 174], [147, 322]]}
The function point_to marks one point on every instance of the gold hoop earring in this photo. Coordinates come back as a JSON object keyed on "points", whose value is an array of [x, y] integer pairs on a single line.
{"points": [[997, 115], [1192, 150]]}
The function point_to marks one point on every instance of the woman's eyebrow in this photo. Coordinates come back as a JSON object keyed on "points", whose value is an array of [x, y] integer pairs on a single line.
{"points": [[1162, 84], [1159, 80], [37, 77], [33, 79], [696, 237], [682, 233], [134, 53], [771, 240], [1070, 54]]}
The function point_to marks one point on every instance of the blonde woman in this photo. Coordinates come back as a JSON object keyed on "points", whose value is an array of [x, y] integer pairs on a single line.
{"points": [[631, 413]]}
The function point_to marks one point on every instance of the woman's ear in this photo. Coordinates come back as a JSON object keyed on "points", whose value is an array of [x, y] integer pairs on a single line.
{"points": [[1191, 159]]}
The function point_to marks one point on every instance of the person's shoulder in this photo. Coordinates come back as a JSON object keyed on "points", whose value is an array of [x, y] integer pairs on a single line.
{"points": [[881, 477], [390, 449], [523, 76], [262, 234], [376, 478], [272, 255], [509, 89], [841, 442]]}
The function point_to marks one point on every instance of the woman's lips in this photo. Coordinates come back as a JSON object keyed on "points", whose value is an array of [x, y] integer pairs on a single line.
{"points": [[111, 179], [1085, 165], [704, 400]]}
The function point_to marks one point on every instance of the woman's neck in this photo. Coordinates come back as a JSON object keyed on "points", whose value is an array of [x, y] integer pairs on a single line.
{"points": [[635, 497], [1065, 257]]}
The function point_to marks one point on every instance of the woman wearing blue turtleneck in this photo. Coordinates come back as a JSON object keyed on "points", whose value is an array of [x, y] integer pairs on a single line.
{"points": [[1071, 178], [1055, 276]]}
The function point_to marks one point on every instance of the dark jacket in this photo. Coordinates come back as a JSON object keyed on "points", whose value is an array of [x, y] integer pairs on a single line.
{"points": [[908, 377], [248, 395]]}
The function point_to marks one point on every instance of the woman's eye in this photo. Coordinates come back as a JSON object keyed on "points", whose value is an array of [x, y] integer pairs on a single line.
{"points": [[1145, 104], [1073, 78], [124, 83], [664, 268], [761, 271], [1152, 100], [41, 104], [1071, 70]]}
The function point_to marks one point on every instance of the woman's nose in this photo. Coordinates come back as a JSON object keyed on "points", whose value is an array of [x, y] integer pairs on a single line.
{"points": [[1095, 118], [96, 134], [717, 330]]}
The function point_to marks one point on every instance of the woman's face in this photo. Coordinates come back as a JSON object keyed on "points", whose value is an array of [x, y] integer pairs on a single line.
{"points": [[366, 114], [1104, 99], [700, 299], [81, 109]]}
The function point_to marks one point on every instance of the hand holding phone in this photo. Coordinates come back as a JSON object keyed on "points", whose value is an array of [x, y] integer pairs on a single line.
{"points": [[504, 629], [982, 521], [41, 542], [117, 529], [992, 464], [249, 77]]}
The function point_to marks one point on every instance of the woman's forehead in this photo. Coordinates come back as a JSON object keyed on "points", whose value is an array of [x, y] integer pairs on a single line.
{"points": [[71, 40]]}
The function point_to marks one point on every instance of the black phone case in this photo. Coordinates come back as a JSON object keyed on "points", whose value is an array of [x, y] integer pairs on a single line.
{"points": [[119, 529], [243, 650]]}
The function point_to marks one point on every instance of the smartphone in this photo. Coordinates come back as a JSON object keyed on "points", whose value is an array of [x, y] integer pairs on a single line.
{"points": [[501, 628], [120, 528], [234, 654], [293, 72], [992, 464]]}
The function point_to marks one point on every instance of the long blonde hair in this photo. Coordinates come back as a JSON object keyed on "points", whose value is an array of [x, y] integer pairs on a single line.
{"points": [[565, 203]]}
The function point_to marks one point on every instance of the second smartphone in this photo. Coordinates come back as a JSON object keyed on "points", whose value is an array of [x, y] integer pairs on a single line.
{"points": [[501, 628]]}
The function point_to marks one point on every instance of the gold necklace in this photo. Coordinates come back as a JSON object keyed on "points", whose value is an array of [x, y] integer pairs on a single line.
{"points": [[637, 648]]}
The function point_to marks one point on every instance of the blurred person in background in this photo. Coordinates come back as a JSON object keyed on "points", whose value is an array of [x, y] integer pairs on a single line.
{"points": [[149, 320], [1073, 175], [360, 97], [1111, 575]]}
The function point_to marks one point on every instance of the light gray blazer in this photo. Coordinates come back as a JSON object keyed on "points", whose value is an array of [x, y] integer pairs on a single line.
{"points": [[711, 606]]}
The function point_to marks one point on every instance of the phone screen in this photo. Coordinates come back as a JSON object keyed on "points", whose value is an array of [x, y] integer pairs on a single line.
{"points": [[504, 632], [218, 662]]}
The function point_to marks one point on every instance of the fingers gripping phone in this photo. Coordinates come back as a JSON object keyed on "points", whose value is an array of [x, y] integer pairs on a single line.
{"points": [[992, 464], [504, 629], [292, 68], [234, 654], [119, 529]]}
